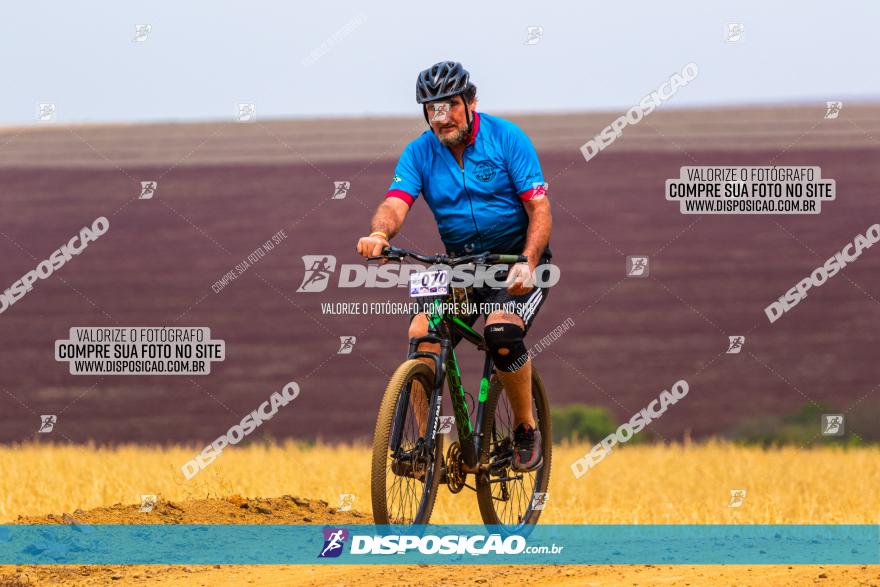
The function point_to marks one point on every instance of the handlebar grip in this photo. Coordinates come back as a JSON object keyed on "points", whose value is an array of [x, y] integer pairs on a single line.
{"points": [[388, 252], [511, 259]]}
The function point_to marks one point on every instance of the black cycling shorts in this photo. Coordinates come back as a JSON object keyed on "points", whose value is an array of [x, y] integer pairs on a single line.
{"points": [[526, 306]]}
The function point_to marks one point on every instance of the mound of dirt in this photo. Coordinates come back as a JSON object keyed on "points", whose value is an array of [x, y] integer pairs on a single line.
{"points": [[233, 509]]}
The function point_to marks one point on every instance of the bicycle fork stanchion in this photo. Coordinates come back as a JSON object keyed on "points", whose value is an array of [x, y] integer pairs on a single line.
{"points": [[435, 394], [399, 420]]}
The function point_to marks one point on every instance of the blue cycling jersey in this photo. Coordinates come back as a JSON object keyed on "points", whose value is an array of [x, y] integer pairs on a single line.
{"points": [[478, 208]]}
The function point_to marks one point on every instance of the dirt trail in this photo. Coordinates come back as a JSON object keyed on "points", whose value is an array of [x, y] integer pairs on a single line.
{"points": [[369, 576], [294, 510]]}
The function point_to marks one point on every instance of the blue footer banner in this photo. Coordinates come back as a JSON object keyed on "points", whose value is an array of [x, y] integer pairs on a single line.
{"points": [[439, 544]]}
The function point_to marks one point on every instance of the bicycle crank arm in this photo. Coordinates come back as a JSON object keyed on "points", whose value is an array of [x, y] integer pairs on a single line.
{"points": [[476, 470], [499, 480]]}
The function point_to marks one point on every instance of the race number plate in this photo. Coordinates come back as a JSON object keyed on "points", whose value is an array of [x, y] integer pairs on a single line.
{"points": [[428, 283]]}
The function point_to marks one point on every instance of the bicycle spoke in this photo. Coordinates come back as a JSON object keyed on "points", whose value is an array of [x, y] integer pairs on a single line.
{"points": [[404, 492], [520, 486]]}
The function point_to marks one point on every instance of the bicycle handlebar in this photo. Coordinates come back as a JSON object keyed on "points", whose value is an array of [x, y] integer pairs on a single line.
{"points": [[396, 254]]}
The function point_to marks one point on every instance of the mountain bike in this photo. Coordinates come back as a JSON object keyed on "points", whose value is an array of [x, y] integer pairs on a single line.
{"points": [[409, 466]]}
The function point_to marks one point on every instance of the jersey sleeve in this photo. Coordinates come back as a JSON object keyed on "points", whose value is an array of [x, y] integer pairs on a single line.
{"points": [[523, 166], [407, 181]]}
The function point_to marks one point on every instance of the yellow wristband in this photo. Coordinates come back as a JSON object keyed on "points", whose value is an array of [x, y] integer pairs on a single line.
{"points": [[375, 232]]}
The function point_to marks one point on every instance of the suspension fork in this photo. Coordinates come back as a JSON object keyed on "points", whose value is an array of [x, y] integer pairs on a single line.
{"points": [[434, 395]]}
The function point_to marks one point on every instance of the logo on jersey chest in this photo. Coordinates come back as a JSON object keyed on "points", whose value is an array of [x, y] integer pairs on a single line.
{"points": [[485, 171]]}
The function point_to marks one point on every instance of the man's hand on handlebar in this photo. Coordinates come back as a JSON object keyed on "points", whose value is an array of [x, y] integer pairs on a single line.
{"points": [[387, 253], [372, 246], [520, 279]]}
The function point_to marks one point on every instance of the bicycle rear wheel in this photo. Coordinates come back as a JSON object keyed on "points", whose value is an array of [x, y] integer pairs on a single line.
{"points": [[509, 499], [404, 475]]}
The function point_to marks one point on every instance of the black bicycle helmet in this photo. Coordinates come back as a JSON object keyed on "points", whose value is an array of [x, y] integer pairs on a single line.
{"points": [[444, 80], [441, 80]]}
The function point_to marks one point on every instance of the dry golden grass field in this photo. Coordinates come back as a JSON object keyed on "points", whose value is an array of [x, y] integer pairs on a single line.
{"points": [[638, 484]]}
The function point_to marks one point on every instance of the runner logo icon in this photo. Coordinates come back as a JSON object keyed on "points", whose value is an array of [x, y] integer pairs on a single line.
{"points": [[736, 344], [340, 189], [346, 345], [318, 270], [832, 109], [832, 424], [446, 424], [334, 540], [47, 423], [636, 266]]}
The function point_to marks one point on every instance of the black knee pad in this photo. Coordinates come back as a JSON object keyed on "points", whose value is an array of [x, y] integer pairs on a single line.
{"points": [[506, 336]]}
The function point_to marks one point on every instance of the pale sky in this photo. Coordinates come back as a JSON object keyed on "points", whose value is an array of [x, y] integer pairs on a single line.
{"points": [[200, 60]]}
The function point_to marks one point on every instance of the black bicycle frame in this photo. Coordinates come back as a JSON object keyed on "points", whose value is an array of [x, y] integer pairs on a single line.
{"points": [[440, 331]]}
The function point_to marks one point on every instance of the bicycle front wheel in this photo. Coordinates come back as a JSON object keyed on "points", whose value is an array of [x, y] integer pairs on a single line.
{"points": [[405, 475], [509, 499]]}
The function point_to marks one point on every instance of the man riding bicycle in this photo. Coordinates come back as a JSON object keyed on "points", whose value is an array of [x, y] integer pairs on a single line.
{"points": [[482, 180]]}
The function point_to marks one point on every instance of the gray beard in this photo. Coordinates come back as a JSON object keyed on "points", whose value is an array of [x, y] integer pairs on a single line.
{"points": [[454, 140]]}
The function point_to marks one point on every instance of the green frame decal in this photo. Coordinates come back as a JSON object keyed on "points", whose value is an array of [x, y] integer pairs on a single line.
{"points": [[484, 389], [457, 395], [462, 324]]}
